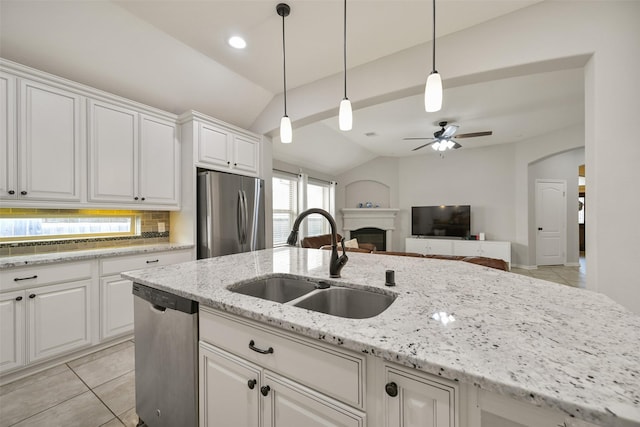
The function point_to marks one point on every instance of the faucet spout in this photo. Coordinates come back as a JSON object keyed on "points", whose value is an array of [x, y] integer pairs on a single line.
{"points": [[337, 262]]}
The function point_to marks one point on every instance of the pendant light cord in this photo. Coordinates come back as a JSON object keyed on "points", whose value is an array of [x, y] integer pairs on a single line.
{"points": [[434, 35], [284, 67], [345, 49]]}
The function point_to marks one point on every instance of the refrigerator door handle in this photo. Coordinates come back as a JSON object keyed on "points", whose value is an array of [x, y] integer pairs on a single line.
{"points": [[240, 216], [246, 217]]}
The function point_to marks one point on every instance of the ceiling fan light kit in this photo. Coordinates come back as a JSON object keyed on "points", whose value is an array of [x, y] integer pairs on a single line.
{"points": [[345, 116], [433, 87], [286, 132]]}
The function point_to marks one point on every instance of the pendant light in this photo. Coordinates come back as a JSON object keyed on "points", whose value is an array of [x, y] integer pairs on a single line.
{"points": [[433, 88], [286, 134], [345, 116]]}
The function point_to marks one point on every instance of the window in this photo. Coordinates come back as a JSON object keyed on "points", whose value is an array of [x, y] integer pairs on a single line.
{"points": [[285, 203], [40, 225], [293, 194]]}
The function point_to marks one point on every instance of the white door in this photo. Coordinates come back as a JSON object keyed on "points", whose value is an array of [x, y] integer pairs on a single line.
{"points": [[12, 330], [159, 161], [49, 143], [229, 389], [116, 314], [58, 318], [8, 162], [551, 222], [414, 402]]}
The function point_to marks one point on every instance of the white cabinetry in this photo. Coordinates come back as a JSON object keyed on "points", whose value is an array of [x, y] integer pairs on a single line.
{"points": [[134, 158], [46, 311], [413, 399], [483, 248], [41, 151], [116, 299], [249, 358], [429, 246]]}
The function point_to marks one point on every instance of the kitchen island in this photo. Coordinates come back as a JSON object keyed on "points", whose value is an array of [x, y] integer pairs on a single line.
{"points": [[567, 350]]}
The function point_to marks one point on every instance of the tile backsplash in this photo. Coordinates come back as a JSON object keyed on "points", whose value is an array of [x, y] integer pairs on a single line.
{"points": [[149, 234]]}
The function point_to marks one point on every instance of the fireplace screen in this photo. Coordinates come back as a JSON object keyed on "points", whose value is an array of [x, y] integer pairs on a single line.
{"points": [[375, 236]]}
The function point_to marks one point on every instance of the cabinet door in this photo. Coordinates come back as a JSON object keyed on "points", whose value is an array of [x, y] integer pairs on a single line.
{"points": [[58, 318], [245, 154], [113, 139], [12, 320], [499, 250], [439, 247], [49, 144], [229, 389], [214, 146], [8, 156], [417, 402], [159, 161], [116, 311], [290, 404], [467, 248]]}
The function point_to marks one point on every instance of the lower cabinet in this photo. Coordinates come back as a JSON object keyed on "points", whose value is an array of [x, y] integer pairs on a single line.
{"points": [[415, 400], [12, 335]]}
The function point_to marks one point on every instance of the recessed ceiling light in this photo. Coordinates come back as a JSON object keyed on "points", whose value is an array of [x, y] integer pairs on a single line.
{"points": [[237, 42]]}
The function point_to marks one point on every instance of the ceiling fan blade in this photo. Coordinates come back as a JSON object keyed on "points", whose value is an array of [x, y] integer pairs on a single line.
{"points": [[422, 146], [474, 134], [415, 138], [449, 131], [456, 145]]}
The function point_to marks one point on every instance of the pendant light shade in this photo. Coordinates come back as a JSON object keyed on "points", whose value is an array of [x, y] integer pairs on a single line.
{"points": [[433, 88], [345, 116], [286, 133]]}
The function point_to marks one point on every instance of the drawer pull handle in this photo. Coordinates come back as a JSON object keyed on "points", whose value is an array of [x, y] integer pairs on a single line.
{"points": [[391, 389], [153, 261], [17, 279], [32, 296], [265, 390], [18, 298], [259, 350], [252, 384]]}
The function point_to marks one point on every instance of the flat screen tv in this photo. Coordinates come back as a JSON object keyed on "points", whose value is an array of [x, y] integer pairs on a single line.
{"points": [[441, 221]]}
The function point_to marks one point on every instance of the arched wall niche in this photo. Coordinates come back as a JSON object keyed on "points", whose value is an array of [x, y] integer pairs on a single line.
{"points": [[364, 191]]}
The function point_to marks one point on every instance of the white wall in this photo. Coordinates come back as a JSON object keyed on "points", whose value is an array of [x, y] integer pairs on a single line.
{"points": [[562, 166]]}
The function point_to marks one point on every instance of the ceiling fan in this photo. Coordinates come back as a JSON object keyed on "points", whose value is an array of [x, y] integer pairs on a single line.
{"points": [[443, 138]]}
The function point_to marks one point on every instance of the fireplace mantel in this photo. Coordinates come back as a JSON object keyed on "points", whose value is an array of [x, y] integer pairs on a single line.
{"points": [[382, 218]]}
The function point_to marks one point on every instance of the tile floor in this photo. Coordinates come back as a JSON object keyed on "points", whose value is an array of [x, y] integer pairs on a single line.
{"points": [[92, 391], [99, 390]]}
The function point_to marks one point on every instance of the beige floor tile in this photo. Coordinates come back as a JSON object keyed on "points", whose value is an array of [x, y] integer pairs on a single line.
{"points": [[38, 396], [106, 368], [7, 388], [84, 410], [129, 418], [119, 394], [115, 422], [98, 354]]}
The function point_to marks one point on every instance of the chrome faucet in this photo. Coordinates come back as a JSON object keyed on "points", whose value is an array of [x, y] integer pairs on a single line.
{"points": [[336, 262]]}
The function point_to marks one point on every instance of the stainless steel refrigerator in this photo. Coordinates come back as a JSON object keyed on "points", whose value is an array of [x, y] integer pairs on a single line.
{"points": [[230, 214]]}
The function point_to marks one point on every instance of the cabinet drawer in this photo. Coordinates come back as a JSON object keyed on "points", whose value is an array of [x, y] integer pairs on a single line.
{"points": [[43, 275], [335, 373], [135, 262]]}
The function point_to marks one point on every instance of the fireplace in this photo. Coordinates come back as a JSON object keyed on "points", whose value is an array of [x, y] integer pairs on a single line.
{"points": [[381, 220], [376, 236]]}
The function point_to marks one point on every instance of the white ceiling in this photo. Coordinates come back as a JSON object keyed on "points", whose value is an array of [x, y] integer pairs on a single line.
{"points": [[173, 55]]}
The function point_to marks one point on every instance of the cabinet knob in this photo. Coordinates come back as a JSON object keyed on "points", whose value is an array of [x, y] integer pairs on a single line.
{"points": [[228, 163], [24, 193], [135, 198], [252, 384], [18, 298], [265, 390], [391, 389], [32, 296], [142, 198], [12, 192], [235, 164]]}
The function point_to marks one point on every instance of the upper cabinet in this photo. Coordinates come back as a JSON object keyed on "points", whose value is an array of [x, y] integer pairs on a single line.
{"points": [[41, 142], [134, 158], [220, 146]]}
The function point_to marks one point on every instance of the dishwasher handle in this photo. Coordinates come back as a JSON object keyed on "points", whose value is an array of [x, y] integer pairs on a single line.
{"points": [[162, 300]]}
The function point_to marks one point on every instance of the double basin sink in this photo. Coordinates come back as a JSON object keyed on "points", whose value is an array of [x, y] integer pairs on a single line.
{"points": [[317, 295]]}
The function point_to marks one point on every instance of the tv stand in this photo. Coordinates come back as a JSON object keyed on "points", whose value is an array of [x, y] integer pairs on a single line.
{"points": [[439, 246]]}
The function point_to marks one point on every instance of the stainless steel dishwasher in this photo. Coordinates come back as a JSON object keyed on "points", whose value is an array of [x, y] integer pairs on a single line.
{"points": [[166, 357]]}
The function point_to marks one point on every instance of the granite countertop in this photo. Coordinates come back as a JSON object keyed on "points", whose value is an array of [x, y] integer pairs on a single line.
{"points": [[53, 257], [539, 342]]}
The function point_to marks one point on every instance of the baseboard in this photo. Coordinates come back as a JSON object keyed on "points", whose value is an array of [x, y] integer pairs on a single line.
{"points": [[572, 264], [525, 267]]}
